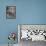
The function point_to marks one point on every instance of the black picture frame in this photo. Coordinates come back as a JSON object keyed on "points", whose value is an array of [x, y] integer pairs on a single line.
{"points": [[10, 12]]}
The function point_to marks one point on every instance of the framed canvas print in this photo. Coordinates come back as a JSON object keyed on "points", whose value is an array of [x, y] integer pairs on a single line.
{"points": [[32, 32], [11, 12]]}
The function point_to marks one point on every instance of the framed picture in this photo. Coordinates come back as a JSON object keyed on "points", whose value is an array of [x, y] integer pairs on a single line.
{"points": [[32, 32], [11, 12]]}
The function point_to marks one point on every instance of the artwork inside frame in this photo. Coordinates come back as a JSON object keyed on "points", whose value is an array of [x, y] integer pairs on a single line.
{"points": [[10, 12], [32, 32]]}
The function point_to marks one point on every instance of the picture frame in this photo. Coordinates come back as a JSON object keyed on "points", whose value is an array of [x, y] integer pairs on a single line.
{"points": [[10, 12]]}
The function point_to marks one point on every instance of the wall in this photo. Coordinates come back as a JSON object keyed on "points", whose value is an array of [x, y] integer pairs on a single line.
{"points": [[27, 12]]}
